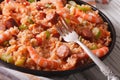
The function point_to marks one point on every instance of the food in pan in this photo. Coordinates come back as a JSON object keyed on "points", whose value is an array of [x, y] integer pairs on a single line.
{"points": [[29, 38]]}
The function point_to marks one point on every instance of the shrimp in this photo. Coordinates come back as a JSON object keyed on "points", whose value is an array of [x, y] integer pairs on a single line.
{"points": [[8, 34], [94, 18], [40, 60], [98, 52], [101, 51]]}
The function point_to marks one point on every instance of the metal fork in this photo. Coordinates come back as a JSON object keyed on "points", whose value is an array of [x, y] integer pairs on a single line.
{"points": [[70, 35]]}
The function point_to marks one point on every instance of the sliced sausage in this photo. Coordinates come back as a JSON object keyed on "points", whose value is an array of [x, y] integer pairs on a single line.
{"points": [[10, 23], [63, 51], [52, 16], [86, 33]]}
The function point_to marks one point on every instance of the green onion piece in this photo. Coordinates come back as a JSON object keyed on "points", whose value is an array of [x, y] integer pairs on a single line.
{"points": [[72, 3], [84, 8], [96, 31], [31, 1], [47, 34], [20, 61], [23, 27], [30, 21]]}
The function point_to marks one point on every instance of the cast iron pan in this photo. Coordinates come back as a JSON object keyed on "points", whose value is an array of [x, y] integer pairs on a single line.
{"points": [[67, 72]]}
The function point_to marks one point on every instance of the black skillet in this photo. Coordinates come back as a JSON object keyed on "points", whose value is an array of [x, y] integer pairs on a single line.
{"points": [[68, 72]]}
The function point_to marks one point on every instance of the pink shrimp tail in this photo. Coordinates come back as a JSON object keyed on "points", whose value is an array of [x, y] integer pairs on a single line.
{"points": [[101, 52], [98, 52], [8, 34], [40, 60]]}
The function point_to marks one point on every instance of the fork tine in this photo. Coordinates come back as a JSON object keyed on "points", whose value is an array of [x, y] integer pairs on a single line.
{"points": [[59, 29], [65, 24], [63, 28]]}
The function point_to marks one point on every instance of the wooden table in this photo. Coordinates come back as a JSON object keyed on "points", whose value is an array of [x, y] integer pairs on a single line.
{"points": [[112, 11]]}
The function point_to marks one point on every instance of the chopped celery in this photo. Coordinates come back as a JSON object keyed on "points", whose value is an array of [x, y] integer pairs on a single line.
{"points": [[7, 58], [84, 8], [94, 46], [4, 57], [47, 34], [96, 31], [31, 1], [23, 27], [10, 59], [68, 6], [48, 5], [20, 61], [72, 3], [80, 38]]}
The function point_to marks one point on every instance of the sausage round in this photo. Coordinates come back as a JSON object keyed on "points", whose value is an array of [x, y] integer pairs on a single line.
{"points": [[10, 23], [63, 51]]}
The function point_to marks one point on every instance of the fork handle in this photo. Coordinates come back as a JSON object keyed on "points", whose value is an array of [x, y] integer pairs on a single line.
{"points": [[104, 69]]}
